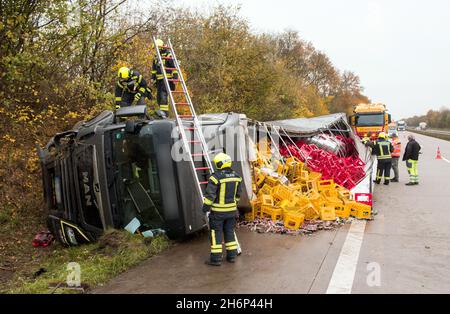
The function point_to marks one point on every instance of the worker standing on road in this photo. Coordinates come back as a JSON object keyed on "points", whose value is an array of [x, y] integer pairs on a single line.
{"points": [[158, 76], [382, 148], [221, 198], [131, 88], [395, 155], [411, 156]]}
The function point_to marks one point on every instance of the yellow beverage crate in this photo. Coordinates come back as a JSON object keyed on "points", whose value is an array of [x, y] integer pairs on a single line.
{"points": [[362, 211], [260, 179], [327, 213], [281, 192], [272, 181], [342, 211], [293, 220], [266, 200], [311, 212], [266, 189], [343, 193], [283, 203], [327, 186], [304, 175], [315, 175], [273, 212]]}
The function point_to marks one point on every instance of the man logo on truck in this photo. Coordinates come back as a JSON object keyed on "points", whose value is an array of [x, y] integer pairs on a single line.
{"points": [[87, 189]]}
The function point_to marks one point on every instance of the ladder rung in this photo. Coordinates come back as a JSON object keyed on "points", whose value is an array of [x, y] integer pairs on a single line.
{"points": [[164, 47], [202, 168], [185, 116], [198, 154], [173, 80], [194, 141], [170, 69], [190, 129], [167, 58], [203, 182], [178, 91], [182, 104]]}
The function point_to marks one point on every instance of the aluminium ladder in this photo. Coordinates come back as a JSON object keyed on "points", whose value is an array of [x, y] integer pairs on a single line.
{"points": [[193, 141]]}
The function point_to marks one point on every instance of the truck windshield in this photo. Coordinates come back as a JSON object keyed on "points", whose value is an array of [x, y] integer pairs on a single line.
{"points": [[370, 119], [137, 178]]}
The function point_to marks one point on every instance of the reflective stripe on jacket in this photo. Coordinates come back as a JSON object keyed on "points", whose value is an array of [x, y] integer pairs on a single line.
{"points": [[397, 148], [223, 190], [382, 149]]}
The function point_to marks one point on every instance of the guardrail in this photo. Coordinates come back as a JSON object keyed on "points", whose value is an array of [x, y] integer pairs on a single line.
{"points": [[441, 134]]}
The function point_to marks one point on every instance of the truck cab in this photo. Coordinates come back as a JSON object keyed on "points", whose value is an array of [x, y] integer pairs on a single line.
{"points": [[370, 118], [119, 171], [112, 172]]}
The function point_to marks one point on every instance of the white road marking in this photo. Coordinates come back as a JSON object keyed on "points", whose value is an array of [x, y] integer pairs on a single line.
{"points": [[445, 159], [344, 272]]}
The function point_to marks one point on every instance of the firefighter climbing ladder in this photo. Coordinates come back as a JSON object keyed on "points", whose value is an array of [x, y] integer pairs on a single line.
{"points": [[194, 143]]}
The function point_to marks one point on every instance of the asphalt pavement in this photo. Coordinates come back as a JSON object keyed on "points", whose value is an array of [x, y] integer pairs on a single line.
{"points": [[406, 249]]}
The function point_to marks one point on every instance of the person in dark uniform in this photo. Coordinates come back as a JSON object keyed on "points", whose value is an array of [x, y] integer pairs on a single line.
{"points": [[221, 197], [382, 148], [158, 76], [131, 88], [411, 156]]}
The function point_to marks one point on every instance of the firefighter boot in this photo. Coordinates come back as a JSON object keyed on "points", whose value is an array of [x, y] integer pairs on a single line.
{"points": [[213, 263]]}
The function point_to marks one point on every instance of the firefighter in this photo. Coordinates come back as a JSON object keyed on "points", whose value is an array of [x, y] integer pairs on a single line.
{"points": [[158, 76], [131, 88], [411, 156], [221, 197], [366, 139], [382, 148], [395, 155]]}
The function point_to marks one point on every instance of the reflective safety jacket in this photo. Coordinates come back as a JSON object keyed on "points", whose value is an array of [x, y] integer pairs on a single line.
{"points": [[223, 190], [382, 149], [125, 92], [397, 148], [157, 73]]}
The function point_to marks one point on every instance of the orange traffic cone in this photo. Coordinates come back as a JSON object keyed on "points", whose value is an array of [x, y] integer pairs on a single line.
{"points": [[438, 156]]}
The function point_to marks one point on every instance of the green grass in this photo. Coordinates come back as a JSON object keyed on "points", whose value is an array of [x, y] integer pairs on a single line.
{"points": [[114, 253]]}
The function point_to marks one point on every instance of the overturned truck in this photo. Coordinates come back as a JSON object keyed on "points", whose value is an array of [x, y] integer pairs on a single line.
{"points": [[118, 170]]}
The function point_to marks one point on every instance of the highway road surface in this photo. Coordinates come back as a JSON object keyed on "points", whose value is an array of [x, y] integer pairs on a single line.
{"points": [[406, 249]]}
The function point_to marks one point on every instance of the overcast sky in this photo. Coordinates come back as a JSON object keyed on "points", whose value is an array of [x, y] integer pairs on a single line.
{"points": [[400, 49]]}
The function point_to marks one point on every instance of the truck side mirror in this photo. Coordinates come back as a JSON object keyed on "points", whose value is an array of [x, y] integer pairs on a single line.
{"points": [[351, 120], [130, 126]]}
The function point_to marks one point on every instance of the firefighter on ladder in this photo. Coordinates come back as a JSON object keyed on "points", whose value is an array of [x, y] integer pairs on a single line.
{"points": [[221, 197], [382, 148], [158, 76], [131, 88]]}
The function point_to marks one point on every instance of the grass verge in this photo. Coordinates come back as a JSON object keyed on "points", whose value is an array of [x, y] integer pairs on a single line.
{"points": [[114, 253]]}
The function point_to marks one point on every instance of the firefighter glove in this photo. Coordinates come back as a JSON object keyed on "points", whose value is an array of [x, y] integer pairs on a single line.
{"points": [[137, 97]]}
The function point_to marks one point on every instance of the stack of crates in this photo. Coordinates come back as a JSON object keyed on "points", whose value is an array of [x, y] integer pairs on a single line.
{"points": [[292, 193]]}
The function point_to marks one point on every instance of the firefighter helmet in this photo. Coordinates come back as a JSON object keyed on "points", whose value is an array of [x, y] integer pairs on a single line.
{"points": [[222, 161], [159, 43], [123, 73], [382, 135]]}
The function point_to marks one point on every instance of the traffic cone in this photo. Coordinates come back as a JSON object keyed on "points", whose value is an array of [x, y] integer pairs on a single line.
{"points": [[438, 156]]}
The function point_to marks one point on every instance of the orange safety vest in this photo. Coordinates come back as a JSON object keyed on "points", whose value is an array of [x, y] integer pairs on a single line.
{"points": [[397, 149]]}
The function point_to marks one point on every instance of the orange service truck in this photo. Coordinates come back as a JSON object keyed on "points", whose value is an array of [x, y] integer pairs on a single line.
{"points": [[372, 118]]}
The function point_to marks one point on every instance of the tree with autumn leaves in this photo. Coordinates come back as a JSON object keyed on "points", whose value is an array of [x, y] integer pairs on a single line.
{"points": [[59, 59]]}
